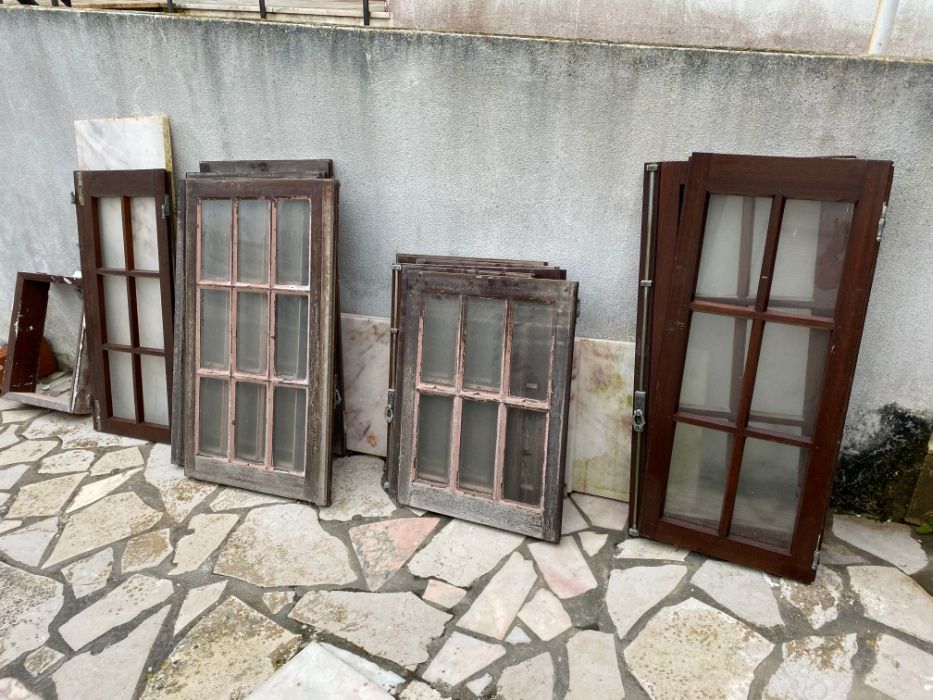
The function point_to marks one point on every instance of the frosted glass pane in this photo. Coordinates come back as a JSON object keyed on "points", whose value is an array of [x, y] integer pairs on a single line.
{"points": [[697, 477], [216, 237], [253, 224], [149, 312], [439, 341], [733, 245], [215, 329], [293, 231], [485, 335], [768, 493], [291, 336], [288, 429], [810, 256], [122, 392], [116, 310], [523, 470], [433, 454], [212, 417], [478, 445], [532, 326], [715, 364], [249, 428], [155, 390], [145, 244], [110, 221], [252, 332]]}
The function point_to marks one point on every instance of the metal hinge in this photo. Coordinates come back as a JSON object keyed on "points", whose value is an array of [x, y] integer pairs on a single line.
{"points": [[816, 559], [390, 406], [393, 331], [80, 192], [638, 411], [651, 167], [166, 207], [646, 283], [633, 532], [882, 221], [97, 415], [396, 267]]}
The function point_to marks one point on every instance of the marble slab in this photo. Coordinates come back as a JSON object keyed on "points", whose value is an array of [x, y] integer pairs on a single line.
{"points": [[126, 143], [365, 381]]}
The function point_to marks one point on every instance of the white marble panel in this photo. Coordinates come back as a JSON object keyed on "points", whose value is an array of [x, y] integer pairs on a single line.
{"points": [[365, 381], [128, 143]]}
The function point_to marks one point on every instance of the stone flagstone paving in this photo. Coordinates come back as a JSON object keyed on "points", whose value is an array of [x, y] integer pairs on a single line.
{"points": [[121, 578]]}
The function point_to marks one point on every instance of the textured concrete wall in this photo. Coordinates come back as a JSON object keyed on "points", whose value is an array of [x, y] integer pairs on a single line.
{"points": [[837, 26], [485, 146]]}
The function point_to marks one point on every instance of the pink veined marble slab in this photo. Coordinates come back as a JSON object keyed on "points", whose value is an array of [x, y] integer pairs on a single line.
{"points": [[365, 381]]}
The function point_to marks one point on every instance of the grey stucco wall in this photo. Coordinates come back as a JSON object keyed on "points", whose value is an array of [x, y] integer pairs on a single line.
{"points": [[485, 146]]}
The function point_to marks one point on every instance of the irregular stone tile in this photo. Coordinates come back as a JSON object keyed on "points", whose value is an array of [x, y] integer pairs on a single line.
{"points": [[835, 552], [276, 600], [518, 636], [9, 476], [417, 511], [26, 451], [180, 495], [901, 670], [7, 404], [315, 673], [819, 601], [594, 670], [692, 650], [135, 595], [284, 546], [462, 552], [892, 542], [443, 594], [893, 599], [74, 432], [28, 603], [497, 605], [7, 525], [641, 548], [357, 490], [233, 499], [98, 489], [118, 460], [197, 601], [394, 626], [207, 532], [67, 462], [227, 653], [478, 685], [563, 567], [382, 548], [44, 497], [602, 512], [545, 615], [20, 414], [12, 689], [8, 437], [3, 498], [530, 680], [386, 680], [571, 520], [461, 657], [115, 671], [41, 660], [91, 574], [146, 551], [592, 542], [743, 591], [28, 544], [416, 690], [814, 667], [110, 519]]}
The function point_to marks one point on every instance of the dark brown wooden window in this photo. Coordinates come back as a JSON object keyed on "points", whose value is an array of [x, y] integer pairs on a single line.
{"points": [[485, 387], [123, 227], [260, 335], [751, 347]]}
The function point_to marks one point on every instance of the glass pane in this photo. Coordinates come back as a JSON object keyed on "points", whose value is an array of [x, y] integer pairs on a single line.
{"points": [[768, 493], [215, 329], [790, 374], [433, 454], [110, 221], [523, 470], [530, 361], [288, 429], [252, 332], [145, 244], [155, 390], [212, 417], [292, 233], [149, 312], [697, 478], [478, 445], [122, 391], [810, 255], [252, 262], [249, 427], [216, 235], [439, 339], [485, 334], [291, 336], [733, 245], [117, 310], [715, 365]]}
